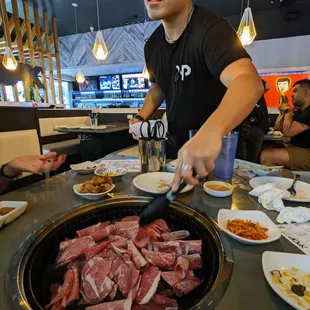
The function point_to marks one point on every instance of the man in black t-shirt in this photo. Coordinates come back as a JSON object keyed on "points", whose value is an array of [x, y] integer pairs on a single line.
{"points": [[199, 67], [296, 125]]}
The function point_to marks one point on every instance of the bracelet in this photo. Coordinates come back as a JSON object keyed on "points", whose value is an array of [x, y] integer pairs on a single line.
{"points": [[3, 175], [139, 117]]}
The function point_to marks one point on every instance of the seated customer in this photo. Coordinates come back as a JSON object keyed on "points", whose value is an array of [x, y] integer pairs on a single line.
{"points": [[295, 156], [37, 164]]}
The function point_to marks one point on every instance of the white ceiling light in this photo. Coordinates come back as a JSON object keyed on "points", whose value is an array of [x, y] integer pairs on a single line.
{"points": [[100, 49], [246, 30]]}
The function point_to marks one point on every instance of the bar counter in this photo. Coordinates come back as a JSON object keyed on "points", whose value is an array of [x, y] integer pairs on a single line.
{"points": [[248, 288]]}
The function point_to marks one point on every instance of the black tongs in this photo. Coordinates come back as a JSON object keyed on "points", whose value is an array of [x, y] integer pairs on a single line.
{"points": [[158, 207]]}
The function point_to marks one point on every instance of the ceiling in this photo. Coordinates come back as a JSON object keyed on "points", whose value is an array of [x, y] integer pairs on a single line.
{"points": [[273, 18]]}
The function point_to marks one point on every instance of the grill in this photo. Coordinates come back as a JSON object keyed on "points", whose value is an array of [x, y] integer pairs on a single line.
{"points": [[32, 269]]}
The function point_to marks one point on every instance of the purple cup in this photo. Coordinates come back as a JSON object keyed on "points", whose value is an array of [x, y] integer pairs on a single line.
{"points": [[224, 163]]}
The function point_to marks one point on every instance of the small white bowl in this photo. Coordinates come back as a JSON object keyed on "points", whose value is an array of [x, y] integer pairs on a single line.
{"points": [[219, 194], [18, 206], [87, 167], [119, 171], [256, 217], [90, 196]]}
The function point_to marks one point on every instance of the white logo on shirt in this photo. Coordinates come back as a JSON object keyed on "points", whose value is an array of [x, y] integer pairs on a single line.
{"points": [[184, 71]]}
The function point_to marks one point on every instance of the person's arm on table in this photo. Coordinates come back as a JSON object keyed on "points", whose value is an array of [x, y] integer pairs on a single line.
{"points": [[37, 164]]}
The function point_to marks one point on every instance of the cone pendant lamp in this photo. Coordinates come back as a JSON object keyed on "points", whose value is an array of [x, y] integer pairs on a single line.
{"points": [[145, 73], [246, 30], [100, 49], [9, 60], [80, 78]]}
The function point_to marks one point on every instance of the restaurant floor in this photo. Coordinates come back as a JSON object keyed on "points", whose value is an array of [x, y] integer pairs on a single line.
{"points": [[248, 288]]}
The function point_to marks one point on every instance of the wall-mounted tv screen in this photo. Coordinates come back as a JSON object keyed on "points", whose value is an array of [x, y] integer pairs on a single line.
{"points": [[133, 81], [110, 82], [90, 83]]}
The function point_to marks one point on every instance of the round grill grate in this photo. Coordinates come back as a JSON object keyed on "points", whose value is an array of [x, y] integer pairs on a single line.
{"points": [[38, 271]]}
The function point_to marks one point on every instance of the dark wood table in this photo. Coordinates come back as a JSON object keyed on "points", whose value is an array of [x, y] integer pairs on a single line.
{"points": [[97, 143]]}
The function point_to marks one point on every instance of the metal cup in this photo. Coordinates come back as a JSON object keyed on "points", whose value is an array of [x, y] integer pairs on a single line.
{"points": [[152, 155]]}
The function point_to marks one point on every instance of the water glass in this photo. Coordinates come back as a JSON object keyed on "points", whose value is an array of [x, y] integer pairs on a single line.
{"points": [[224, 163]]}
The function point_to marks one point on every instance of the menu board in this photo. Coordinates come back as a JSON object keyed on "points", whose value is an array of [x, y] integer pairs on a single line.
{"points": [[133, 81], [109, 82]]}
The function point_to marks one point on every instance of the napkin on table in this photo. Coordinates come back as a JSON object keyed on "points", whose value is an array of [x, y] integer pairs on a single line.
{"points": [[270, 196], [297, 215]]}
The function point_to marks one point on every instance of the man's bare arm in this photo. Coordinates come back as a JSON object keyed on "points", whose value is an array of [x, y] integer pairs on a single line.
{"points": [[153, 100], [236, 105], [292, 128]]}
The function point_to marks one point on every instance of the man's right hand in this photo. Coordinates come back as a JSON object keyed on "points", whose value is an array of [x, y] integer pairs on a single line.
{"points": [[131, 122]]}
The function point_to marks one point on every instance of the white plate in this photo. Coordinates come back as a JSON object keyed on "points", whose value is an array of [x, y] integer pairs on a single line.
{"points": [[302, 188], [150, 182], [254, 216], [255, 167], [84, 168], [277, 261], [215, 193], [77, 187], [19, 208], [101, 127], [62, 126]]}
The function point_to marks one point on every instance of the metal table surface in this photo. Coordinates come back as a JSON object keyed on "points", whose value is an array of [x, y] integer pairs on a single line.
{"points": [[247, 289], [113, 127]]}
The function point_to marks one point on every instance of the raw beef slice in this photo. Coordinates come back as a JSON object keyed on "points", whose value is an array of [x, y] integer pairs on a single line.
{"points": [[75, 250], [152, 305], [181, 267], [175, 235], [118, 241], [195, 261], [194, 246], [93, 251], [137, 257], [159, 259], [103, 233], [148, 285], [96, 285], [114, 305], [166, 247], [75, 290], [89, 230]]}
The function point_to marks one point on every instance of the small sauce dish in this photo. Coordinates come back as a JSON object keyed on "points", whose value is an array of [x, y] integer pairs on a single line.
{"points": [[218, 189]]}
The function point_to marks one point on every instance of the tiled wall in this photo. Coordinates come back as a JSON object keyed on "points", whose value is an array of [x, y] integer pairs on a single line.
{"points": [[125, 44]]}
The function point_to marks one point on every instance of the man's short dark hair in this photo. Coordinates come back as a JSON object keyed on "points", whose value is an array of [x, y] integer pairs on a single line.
{"points": [[303, 83], [285, 79]]}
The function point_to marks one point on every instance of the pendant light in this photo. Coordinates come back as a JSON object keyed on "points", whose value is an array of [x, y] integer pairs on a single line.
{"points": [[145, 72], [80, 78], [9, 61], [246, 30], [100, 49]]}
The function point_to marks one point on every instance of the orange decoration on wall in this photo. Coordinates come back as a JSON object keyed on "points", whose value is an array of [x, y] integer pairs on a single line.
{"points": [[281, 86]]}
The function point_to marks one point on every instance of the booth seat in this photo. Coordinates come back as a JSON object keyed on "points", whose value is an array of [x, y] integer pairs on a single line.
{"points": [[48, 127], [18, 143]]}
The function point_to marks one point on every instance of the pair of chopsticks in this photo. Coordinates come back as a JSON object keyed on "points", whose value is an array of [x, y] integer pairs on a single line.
{"points": [[259, 168]]}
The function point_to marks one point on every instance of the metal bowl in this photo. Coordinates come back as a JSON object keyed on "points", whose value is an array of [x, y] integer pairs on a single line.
{"points": [[32, 269], [114, 172]]}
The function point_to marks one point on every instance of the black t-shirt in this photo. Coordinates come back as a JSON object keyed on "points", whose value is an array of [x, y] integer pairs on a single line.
{"points": [[188, 71], [302, 139]]}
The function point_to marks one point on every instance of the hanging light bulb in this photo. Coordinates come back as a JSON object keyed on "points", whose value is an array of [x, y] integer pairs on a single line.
{"points": [[246, 30], [100, 49], [80, 78], [9, 60], [145, 73]]}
